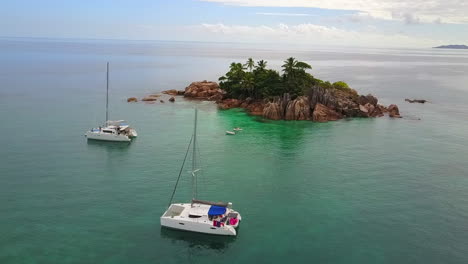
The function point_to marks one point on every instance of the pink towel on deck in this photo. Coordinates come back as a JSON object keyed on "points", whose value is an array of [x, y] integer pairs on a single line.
{"points": [[233, 221]]}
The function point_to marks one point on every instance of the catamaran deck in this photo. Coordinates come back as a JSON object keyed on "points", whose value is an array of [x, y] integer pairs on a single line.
{"points": [[201, 218]]}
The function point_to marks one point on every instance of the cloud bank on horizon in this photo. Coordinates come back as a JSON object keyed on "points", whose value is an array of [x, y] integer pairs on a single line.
{"points": [[433, 11], [307, 34]]}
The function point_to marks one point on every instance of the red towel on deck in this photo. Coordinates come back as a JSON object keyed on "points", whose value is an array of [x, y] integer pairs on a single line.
{"points": [[215, 223], [233, 221]]}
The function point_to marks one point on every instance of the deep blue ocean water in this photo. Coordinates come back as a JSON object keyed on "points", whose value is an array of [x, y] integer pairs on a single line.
{"points": [[353, 191]]}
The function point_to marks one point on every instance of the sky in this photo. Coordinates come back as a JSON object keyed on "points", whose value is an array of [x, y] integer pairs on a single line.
{"points": [[366, 23]]}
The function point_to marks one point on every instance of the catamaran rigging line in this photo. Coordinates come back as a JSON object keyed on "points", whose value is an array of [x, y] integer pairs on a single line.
{"points": [[107, 93], [180, 172]]}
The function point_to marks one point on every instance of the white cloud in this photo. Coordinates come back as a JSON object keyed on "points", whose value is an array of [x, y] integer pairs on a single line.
{"points": [[360, 17], [409, 11], [309, 34], [407, 18], [282, 14]]}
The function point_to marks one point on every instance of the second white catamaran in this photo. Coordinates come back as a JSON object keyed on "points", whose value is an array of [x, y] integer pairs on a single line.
{"points": [[217, 218], [112, 130]]}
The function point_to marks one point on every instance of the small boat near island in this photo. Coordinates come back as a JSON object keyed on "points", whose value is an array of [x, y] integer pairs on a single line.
{"points": [[216, 218], [237, 129], [230, 133], [112, 130]]}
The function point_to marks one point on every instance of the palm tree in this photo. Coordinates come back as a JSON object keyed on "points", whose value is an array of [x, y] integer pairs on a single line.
{"points": [[295, 74], [289, 69], [291, 65], [236, 71], [302, 65], [250, 64], [261, 65], [237, 67], [248, 85]]}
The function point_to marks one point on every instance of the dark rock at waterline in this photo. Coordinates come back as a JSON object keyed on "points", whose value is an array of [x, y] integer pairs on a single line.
{"points": [[370, 110], [393, 111], [149, 99], [382, 108], [298, 109], [334, 104], [171, 92], [375, 111], [421, 101], [273, 109], [172, 99], [286, 108], [229, 103], [322, 113], [255, 108], [204, 90], [368, 99]]}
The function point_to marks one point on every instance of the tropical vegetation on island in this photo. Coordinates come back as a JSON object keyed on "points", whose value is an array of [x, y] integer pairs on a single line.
{"points": [[293, 94], [254, 80]]}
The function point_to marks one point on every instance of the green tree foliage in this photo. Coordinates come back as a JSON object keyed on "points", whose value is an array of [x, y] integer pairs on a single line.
{"points": [[261, 65], [250, 64], [254, 80], [296, 79], [268, 83], [340, 85], [232, 82], [323, 84], [257, 83]]}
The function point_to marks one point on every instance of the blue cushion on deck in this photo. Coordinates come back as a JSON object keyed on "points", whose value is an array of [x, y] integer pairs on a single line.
{"points": [[216, 210]]}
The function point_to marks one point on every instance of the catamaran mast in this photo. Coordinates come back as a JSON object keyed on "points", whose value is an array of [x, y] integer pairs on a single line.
{"points": [[192, 143], [194, 178], [107, 94]]}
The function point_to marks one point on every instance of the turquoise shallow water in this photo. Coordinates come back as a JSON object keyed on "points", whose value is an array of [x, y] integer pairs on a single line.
{"points": [[352, 191]]}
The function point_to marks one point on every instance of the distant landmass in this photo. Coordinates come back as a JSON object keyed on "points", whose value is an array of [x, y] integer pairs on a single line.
{"points": [[452, 47]]}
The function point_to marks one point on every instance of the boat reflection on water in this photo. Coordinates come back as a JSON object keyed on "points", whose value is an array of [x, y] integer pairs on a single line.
{"points": [[198, 241]]}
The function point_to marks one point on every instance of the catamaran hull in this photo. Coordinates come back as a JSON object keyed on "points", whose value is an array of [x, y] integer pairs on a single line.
{"points": [[206, 228], [106, 137], [132, 133]]}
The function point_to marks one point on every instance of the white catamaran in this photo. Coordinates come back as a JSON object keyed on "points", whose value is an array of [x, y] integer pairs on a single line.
{"points": [[112, 130], [217, 218]]}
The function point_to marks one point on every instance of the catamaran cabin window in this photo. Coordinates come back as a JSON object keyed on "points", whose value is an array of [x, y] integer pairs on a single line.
{"points": [[194, 216], [107, 131]]}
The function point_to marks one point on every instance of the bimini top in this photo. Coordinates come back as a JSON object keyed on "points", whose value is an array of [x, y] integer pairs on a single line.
{"points": [[120, 123], [216, 210], [223, 204]]}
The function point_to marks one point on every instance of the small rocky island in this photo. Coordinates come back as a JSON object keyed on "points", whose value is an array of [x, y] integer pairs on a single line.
{"points": [[293, 95]]}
